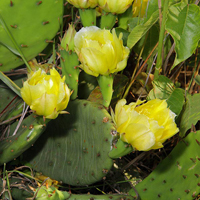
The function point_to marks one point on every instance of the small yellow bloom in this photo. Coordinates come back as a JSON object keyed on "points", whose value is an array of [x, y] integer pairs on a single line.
{"points": [[83, 3], [99, 51], [146, 126], [139, 6], [115, 6], [47, 95]]}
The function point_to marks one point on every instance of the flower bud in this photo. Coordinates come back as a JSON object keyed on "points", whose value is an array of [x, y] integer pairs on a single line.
{"points": [[100, 52], [47, 95], [115, 6], [67, 41], [83, 3], [139, 7], [146, 126]]}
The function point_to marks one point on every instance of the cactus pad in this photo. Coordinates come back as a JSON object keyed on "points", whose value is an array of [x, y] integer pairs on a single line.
{"points": [[177, 176], [14, 145], [32, 23], [74, 148]]}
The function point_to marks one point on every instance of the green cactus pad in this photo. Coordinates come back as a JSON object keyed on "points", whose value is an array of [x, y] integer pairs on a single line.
{"points": [[32, 23], [74, 148], [177, 177], [53, 194], [13, 146]]}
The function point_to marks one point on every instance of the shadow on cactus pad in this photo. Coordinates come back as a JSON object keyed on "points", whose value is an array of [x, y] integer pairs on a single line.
{"points": [[74, 148]]}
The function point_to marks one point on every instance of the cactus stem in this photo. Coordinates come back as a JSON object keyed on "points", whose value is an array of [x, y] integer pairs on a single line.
{"points": [[13, 26], [44, 23], [39, 2], [11, 3]]}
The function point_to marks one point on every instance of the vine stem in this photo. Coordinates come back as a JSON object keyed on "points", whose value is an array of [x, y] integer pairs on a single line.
{"points": [[161, 39]]}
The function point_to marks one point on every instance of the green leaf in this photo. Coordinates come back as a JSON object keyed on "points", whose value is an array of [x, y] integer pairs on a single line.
{"points": [[191, 113], [183, 24], [163, 88], [140, 30], [150, 42], [176, 100]]}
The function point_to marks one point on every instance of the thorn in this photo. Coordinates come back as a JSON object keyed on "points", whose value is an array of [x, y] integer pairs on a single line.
{"points": [[197, 175], [1, 64], [13, 26], [23, 45], [11, 3], [187, 191], [105, 119], [194, 161], [42, 54], [184, 176], [198, 142], [49, 41], [31, 127], [44, 23], [39, 2]]}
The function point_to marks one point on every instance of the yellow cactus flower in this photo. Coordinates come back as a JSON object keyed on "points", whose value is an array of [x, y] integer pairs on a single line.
{"points": [[83, 3], [99, 51], [146, 126], [139, 7], [115, 6], [47, 95]]}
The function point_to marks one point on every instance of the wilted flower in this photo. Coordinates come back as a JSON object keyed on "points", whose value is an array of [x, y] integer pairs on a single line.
{"points": [[99, 51], [115, 6], [83, 3], [139, 7], [146, 126], [47, 95]]}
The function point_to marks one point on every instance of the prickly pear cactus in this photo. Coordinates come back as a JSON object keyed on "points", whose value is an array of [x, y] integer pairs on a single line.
{"points": [[32, 23], [74, 148], [54, 194], [176, 177], [13, 146]]}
